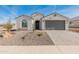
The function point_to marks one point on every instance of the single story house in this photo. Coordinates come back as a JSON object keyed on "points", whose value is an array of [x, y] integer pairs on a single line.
{"points": [[38, 21], [74, 23]]}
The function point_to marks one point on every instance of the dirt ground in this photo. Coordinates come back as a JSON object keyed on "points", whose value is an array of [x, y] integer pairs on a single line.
{"points": [[27, 38]]}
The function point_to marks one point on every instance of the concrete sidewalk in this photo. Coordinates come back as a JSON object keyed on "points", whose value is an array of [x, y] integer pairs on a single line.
{"points": [[39, 49]]}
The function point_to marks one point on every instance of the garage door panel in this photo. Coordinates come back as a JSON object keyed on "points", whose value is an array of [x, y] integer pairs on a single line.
{"points": [[55, 25]]}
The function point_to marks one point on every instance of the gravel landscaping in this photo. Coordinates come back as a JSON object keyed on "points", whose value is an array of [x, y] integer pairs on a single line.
{"points": [[27, 38]]}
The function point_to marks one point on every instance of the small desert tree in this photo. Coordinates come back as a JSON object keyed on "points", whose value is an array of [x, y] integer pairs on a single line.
{"points": [[8, 26]]}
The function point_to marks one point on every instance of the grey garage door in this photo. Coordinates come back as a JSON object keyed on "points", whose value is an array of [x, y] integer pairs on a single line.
{"points": [[55, 25]]}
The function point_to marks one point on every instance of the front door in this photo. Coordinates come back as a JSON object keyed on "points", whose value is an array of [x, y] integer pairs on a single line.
{"points": [[37, 25]]}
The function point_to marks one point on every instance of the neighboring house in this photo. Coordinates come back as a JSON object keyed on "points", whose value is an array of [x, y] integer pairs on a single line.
{"points": [[38, 21], [74, 23]]}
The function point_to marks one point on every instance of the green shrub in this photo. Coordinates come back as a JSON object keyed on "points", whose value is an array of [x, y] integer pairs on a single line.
{"points": [[1, 35], [8, 26], [39, 34]]}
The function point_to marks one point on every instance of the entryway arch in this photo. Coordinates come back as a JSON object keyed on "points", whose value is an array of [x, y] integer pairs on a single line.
{"points": [[37, 25]]}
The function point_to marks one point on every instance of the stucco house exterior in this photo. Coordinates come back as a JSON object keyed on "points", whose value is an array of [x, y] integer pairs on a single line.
{"points": [[38, 21], [74, 23]]}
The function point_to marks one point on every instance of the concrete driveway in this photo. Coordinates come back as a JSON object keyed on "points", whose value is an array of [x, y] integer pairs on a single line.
{"points": [[64, 37]]}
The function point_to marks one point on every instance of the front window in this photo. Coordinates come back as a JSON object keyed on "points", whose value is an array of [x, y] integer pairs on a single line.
{"points": [[24, 23]]}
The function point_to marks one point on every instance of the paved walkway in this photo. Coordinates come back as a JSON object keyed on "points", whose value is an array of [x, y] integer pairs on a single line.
{"points": [[64, 37]]}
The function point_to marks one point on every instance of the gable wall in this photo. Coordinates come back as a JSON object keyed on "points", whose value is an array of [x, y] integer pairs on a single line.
{"points": [[57, 17], [19, 22]]}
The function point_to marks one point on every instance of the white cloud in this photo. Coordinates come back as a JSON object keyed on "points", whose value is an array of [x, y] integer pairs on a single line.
{"points": [[71, 12], [13, 12], [4, 18]]}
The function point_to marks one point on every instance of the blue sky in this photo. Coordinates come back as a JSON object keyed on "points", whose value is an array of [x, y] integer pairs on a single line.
{"points": [[12, 11]]}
